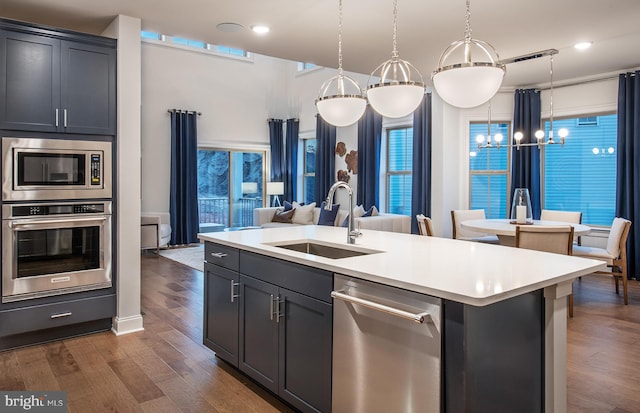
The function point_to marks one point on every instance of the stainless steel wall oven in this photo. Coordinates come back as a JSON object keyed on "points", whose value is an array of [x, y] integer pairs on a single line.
{"points": [[55, 248], [55, 169]]}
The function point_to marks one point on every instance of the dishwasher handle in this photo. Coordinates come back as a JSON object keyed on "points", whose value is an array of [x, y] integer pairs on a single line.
{"points": [[418, 318]]}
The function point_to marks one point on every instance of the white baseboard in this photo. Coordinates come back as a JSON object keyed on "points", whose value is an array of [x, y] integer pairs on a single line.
{"points": [[127, 325]]}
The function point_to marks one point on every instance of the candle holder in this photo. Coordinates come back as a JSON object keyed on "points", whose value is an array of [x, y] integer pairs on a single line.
{"points": [[521, 213]]}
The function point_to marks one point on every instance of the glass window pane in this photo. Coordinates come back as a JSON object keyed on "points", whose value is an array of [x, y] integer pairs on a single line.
{"points": [[488, 192], [581, 174], [309, 156], [309, 189], [400, 149], [488, 159], [213, 187], [399, 194]]}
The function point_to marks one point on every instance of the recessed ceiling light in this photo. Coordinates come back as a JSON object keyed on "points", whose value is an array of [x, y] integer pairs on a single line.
{"points": [[260, 29], [582, 45], [229, 27]]}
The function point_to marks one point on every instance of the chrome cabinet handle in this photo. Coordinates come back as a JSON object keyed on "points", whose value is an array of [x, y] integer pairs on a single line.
{"points": [[57, 117], [59, 315], [233, 295], [13, 224], [279, 314], [218, 254], [271, 308], [418, 318], [65, 117]]}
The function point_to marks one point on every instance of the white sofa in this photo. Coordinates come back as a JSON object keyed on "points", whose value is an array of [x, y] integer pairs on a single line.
{"points": [[155, 231], [382, 222]]}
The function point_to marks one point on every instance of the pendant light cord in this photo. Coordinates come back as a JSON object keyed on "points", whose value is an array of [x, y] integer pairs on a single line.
{"points": [[394, 53], [340, 72], [551, 99], [467, 30]]}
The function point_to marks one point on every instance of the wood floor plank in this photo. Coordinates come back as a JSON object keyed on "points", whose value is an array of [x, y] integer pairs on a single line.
{"points": [[60, 360], [35, 369], [10, 377], [185, 397], [136, 381]]}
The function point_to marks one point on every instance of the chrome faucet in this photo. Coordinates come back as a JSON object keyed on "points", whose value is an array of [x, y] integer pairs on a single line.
{"points": [[352, 234]]}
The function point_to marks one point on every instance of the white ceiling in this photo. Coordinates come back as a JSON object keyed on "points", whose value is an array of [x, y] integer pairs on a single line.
{"points": [[306, 30]]}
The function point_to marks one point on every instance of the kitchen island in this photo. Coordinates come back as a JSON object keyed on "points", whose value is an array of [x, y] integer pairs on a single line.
{"points": [[483, 289]]}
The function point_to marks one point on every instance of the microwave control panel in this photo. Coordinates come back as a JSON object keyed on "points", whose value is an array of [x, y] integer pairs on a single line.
{"points": [[96, 169]]}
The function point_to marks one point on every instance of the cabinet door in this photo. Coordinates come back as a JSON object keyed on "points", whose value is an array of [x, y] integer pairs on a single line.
{"points": [[305, 352], [220, 332], [88, 88], [259, 331], [29, 82]]}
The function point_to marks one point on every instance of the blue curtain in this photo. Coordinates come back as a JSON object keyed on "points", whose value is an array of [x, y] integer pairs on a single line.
{"points": [[628, 164], [325, 158], [291, 159], [421, 174], [277, 152], [183, 202], [369, 143], [525, 163]]}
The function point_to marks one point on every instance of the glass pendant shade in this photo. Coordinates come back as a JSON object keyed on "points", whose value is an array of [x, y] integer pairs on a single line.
{"points": [[341, 102], [464, 83], [396, 94]]}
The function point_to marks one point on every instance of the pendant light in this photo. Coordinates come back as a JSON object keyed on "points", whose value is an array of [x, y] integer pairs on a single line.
{"points": [[463, 82], [397, 94], [341, 101]]}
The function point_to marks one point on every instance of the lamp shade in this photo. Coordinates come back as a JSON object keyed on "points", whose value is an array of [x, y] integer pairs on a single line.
{"points": [[397, 94], [275, 188], [341, 102], [468, 86], [249, 187]]}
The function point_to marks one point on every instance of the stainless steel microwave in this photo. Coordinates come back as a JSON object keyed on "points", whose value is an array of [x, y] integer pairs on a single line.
{"points": [[55, 169]]}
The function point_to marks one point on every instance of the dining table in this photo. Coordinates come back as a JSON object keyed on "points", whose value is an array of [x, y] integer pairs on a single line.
{"points": [[505, 229]]}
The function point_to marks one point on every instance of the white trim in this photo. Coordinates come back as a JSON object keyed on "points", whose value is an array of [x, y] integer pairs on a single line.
{"points": [[126, 325]]}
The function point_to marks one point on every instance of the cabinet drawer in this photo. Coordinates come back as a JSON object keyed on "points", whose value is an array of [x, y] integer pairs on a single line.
{"points": [[40, 317], [302, 279], [221, 255]]}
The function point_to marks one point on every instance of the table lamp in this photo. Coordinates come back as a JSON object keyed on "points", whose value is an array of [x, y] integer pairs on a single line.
{"points": [[276, 189]]}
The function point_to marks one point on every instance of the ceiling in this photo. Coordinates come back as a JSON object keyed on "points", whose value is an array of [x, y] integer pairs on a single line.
{"points": [[306, 30]]}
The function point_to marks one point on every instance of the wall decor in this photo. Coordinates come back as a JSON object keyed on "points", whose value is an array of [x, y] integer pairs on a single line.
{"points": [[341, 149], [352, 162]]}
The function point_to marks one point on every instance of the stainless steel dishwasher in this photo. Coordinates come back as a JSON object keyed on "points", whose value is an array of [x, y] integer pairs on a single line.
{"points": [[386, 349]]}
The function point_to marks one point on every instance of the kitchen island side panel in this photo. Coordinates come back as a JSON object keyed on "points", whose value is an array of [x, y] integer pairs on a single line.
{"points": [[494, 356]]}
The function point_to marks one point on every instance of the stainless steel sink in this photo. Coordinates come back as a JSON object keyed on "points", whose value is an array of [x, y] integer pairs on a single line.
{"points": [[334, 251]]}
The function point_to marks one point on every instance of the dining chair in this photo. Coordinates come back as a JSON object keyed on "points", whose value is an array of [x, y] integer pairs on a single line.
{"points": [[459, 215], [557, 239], [572, 217], [615, 254], [425, 226]]}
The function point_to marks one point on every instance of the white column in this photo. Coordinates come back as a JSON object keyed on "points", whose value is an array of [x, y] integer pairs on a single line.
{"points": [[556, 347], [127, 30]]}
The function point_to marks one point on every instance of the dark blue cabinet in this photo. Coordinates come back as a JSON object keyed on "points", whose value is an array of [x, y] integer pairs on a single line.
{"points": [[56, 81], [273, 320]]}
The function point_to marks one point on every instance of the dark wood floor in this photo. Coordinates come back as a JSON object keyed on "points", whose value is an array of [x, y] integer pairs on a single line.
{"points": [[165, 368]]}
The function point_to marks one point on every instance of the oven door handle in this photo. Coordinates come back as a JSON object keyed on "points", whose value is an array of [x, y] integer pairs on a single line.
{"points": [[25, 222]]}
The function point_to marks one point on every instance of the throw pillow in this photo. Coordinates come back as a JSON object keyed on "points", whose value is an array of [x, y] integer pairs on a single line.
{"points": [[328, 217], [304, 213], [287, 206], [283, 216], [358, 211], [371, 212]]}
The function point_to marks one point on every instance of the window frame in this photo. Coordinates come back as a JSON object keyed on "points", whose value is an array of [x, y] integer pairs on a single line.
{"points": [[306, 174], [386, 172]]}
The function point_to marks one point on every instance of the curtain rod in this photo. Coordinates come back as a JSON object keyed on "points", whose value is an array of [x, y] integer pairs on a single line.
{"points": [[184, 111], [558, 85]]}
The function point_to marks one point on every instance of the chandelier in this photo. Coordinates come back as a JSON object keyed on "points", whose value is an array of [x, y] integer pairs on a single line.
{"points": [[400, 88], [518, 136], [539, 134], [469, 71], [341, 101]]}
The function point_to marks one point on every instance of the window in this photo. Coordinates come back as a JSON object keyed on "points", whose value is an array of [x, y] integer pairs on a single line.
{"points": [[399, 170], [581, 175], [196, 44], [150, 35], [309, 168], [305, 66], [489, 171], [229, 187]]}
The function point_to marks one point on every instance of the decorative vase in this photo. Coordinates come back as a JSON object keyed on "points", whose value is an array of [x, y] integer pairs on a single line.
{"points": [[521, 213]]}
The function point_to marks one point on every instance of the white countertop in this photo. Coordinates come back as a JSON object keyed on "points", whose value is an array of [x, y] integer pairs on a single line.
{"points": [[468, 272]]}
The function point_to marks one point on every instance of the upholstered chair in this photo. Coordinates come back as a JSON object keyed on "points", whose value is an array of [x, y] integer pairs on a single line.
{"points": [[425, 226], [458, 216]]}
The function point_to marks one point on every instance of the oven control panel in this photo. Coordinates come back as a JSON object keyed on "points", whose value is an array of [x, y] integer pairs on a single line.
{"points": [[59, 209]]}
